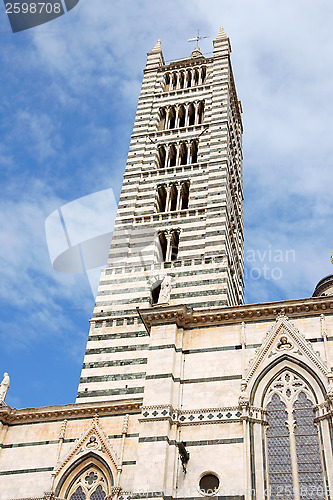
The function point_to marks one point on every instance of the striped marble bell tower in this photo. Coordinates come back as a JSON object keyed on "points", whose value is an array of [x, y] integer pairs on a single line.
{"points": [[179, 215]]}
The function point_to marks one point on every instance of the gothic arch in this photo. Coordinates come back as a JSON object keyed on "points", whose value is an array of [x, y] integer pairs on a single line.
{"points": [[278, 365], [289, 440], [88, 478]]}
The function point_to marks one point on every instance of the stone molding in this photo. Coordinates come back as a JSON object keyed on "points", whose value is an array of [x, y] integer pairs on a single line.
{"points": [[82, 445], [185, 317], [48, 413], [202, 416], [281, 328]]}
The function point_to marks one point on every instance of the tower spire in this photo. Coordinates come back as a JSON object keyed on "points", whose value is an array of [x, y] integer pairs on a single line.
{"points": [[221, 34], [157, 47]]}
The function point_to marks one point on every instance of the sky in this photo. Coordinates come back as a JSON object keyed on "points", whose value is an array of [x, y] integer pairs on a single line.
{"points": [[69, 92]]}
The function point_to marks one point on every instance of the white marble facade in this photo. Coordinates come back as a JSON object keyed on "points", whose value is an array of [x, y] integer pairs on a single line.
{"points": [[194, 394]]}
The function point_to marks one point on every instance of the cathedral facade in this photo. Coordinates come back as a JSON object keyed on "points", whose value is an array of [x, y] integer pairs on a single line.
{"points": [[185, 392]]}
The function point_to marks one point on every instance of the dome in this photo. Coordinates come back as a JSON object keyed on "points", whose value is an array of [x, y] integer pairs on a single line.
{"points": [[324, 287]]}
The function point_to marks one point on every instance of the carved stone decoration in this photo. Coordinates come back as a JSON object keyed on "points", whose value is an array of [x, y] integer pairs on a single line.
{"points": [[93, 443], [284, 344], [125, 424], [164, 297], [93, 439], [4, 386], [281, 338]]}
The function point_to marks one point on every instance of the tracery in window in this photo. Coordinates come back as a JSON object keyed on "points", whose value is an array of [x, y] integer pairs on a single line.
{"points": [[292, 441], [89, 484]]}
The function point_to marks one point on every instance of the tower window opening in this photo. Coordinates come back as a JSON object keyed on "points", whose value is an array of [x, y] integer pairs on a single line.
{"points": [[173, 81], [184, 196], [163, 246], [174, 244], [196, 77], [161, 157], [172, 118], [161, 198], [201, 112], [155, 291], [194, 152], [161, 125], [181, 116], [203, 74], [181, 80], [167, 82], [188, 79], [191, 115], [183, 154], [173, 198], [172, 156]]}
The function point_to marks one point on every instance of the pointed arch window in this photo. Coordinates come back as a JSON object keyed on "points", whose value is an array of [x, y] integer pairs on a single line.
{"points": [[293, 453], [89, 484]]}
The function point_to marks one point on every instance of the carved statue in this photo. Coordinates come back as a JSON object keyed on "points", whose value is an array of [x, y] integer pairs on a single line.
{"points": [[4, 387], [164, 297], [284, 343]]}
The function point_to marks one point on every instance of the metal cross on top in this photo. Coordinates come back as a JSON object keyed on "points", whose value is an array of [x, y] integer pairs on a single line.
{"points": [[197, 38]]}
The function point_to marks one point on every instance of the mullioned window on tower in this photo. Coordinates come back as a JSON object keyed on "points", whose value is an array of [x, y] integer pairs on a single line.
{"points": [[181, 115], [172, 197], [177, 154]]}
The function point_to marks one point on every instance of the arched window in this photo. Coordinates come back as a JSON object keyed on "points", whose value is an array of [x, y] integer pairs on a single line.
{"points": [[196, 77], [203, 74], [194, 152], [181, 80], [173, 197], [191, 114], [155, 291], [161, 157], [167, 82], [168, 244], [172, 156], [201, 112], [173, 81], [184, 194], [90, 480], [163, 245], [172, 118], [161, 125], [174, 244], [161, 198], [183, 153], [181, 116], [292, 443], [188, 78]]}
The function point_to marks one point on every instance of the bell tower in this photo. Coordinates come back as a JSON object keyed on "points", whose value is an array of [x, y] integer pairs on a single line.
{"points": [[179, 216]]}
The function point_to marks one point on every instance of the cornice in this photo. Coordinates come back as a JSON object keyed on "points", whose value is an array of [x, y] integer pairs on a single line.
{"points": [[186, 317], [9, 416]]}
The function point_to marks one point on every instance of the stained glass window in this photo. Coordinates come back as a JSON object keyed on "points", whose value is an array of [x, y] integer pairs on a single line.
{"points": [[292, 441], [90, 484], [307, 448], [78, 495], [278, 448]]}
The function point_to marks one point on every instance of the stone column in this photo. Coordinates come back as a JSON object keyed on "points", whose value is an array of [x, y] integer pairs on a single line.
{"points": [[157, 452], [196, 110], [168, 252]]}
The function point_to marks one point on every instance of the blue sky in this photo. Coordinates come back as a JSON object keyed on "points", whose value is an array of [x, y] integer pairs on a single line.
{"points": [[69, 92]]}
